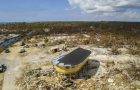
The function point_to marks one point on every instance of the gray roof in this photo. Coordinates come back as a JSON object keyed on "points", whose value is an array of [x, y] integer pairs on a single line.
{"points": [[75, 57]]}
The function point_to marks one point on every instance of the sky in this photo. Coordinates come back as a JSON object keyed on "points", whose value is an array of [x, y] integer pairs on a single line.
{"points": [[69, 10]]}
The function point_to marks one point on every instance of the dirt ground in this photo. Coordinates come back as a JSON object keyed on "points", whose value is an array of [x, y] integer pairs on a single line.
{"points": [[109, 72], [1, 81], [14, 60]]}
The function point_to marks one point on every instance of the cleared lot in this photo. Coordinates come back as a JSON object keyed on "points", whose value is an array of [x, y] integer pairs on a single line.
{"points": [[114, 71]]}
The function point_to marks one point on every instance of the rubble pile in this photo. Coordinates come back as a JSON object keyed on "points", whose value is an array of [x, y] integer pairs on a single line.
{"points": [[34, 80], [118, 76], [7, 50], [48, 79], [54, 50], [105, 71], [55, 42], [78, 40], [70, 41], [22, 50]]}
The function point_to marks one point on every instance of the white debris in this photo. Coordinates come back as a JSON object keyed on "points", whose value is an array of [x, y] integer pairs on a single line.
{"points": [[22, 50], [110, 80]]}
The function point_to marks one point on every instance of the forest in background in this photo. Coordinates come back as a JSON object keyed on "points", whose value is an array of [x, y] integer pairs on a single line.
{"points": [[110, 34], [129, 28]]}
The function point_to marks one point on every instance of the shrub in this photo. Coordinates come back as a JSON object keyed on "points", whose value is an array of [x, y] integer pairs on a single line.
{"points": [[114, 50], [46, 40], [134, 50]]}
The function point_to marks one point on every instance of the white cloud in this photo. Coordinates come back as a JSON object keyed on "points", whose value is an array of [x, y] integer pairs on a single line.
{"points": [[129, 8], [132, 14]]}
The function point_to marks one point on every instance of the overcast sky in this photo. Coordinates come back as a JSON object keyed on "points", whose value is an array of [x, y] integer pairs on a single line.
{"points": [[69, 10]]}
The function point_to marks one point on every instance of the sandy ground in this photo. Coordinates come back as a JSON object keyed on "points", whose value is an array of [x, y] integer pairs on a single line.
{"points": [[1, 80], [14, 61]]}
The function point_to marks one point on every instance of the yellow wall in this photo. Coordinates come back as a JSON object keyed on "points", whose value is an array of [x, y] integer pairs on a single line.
{"points": [[70, 70]]}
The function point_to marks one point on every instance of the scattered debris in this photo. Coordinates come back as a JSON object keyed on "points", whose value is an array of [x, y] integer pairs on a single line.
{"points": [[47, 71], [54, 50], [3, 68], [107, 68], [114, 50], [22, 43], [64, 48], [7, 50], [136, 83], [41, 45], [35, 45], [22, 50], [26, 46], [110, 80], [134, 50]]}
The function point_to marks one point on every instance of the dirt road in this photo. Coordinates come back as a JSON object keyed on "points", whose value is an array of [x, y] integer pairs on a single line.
{"points": [[14, 60], [9, 75]]}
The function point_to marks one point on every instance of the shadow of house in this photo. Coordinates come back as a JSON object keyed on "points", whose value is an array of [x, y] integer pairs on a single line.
{"points": [[88, 71], [93, 66]]}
